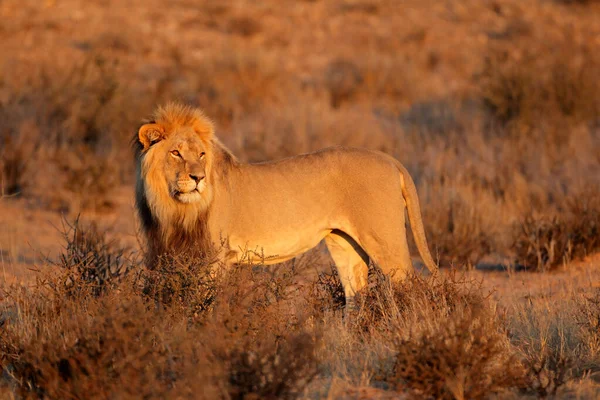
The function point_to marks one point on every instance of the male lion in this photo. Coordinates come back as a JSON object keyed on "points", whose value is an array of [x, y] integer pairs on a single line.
{"points": [[193, 195]]}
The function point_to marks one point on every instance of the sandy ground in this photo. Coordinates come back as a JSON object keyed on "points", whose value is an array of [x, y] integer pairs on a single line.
{"points": [[29, 235]]}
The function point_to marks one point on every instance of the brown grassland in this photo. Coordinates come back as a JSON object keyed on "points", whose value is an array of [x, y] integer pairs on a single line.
{"points": [[492, 105]]}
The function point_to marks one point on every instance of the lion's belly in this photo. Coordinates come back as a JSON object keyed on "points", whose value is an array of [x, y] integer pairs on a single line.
{"points": [[285, 246]]}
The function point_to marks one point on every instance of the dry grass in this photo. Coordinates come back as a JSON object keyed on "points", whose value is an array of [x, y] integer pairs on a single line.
{"points": [[530, 84], [461, 234], [192, 330], [545, 242], [588, 318], [66, 123], [91, 263], [463, 356], [130, 338], [492, 106]]}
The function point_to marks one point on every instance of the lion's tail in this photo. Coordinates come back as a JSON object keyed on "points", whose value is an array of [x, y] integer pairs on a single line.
{"points": [[409, 191]]}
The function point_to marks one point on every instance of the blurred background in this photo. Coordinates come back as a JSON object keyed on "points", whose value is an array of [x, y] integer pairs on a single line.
{"points": [[492, 105]]}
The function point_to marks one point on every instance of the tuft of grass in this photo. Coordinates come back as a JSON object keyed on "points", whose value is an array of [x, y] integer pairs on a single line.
{"points": [[547, 373], [543, 242], [550, 344]]}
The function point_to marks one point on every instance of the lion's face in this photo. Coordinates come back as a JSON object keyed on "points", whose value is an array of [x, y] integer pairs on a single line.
{"points": [[176, 162], [185, 167]]}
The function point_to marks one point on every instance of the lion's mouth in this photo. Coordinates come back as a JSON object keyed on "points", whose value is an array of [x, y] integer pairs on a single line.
{"points": [[189, 194], [188, 197], [179, 192]]}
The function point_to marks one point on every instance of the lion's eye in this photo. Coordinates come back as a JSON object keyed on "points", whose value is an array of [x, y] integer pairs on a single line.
{"points": [[202, 155], [175, 153]]}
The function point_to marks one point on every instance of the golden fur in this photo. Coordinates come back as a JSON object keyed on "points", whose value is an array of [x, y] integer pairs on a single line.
{"points": [[193, 194]]}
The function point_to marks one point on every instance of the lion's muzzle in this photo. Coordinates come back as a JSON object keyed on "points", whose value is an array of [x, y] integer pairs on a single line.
{"points": [[189, 190]]}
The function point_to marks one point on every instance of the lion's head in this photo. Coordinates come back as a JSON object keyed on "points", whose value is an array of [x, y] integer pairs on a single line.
{"points": [[176, 155], [175, 146]]}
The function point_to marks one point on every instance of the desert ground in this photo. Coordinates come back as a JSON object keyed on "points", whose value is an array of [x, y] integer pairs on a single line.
{"points": [[492, 105]]}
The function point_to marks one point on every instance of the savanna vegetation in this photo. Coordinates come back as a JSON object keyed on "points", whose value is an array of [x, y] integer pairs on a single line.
{"points": [[493, 106]]}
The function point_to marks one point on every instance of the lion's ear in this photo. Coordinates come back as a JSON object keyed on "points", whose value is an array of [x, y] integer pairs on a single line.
{"points": [[150, 134]]}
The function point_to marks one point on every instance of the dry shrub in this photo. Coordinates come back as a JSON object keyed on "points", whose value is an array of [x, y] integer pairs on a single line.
{"points": [[90, 261], [542, 84], [70, 106], [342, 79], [457, 228], [546, 373], [578, 2], [463, 356], [256, 299], [588, 319], [186, 284], [235, 83], [96, 348], [441, 118], [181, 330], [272, 369], [506, 88], [549, 353], [89, 180], [70, 122], [119, 344], [17, 151], [385, 304], [543, 242], [583, 209], [553, 346], [328, 292], [244, 26], [384, 82], [270, 351], [446, 338]]}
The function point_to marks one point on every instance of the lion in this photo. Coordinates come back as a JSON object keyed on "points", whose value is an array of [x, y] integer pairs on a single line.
{"points": [[193, 194]]}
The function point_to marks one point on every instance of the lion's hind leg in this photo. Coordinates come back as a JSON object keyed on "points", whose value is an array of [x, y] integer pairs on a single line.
{"points": [[351, 261], [390, 252]]}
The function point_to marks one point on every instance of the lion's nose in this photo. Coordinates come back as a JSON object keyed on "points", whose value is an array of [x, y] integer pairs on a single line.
{"points": [[197, 177]]}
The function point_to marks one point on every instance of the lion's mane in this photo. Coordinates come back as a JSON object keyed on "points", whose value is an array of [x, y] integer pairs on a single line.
{"points": [[170, 227]]}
